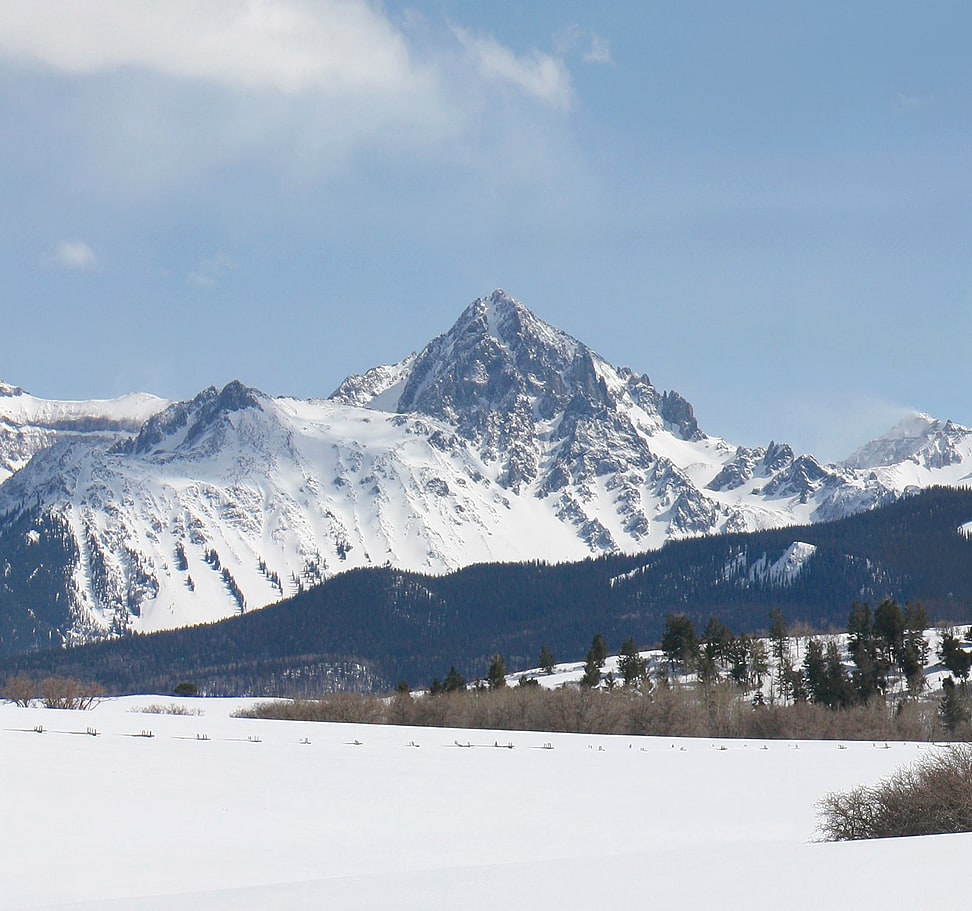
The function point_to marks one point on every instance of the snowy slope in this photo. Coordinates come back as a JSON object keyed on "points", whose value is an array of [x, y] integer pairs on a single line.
{"points": [[29, 424], [290, 815], [918, 452], [503, 439]]}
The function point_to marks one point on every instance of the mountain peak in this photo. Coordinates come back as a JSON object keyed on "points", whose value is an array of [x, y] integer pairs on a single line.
{"points": [[509, 323], [916, 437], [8, 391], [182, 423]]}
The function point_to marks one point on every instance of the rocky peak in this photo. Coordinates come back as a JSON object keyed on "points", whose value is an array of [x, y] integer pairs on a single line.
{"points": [[8, 391], [679, 416], [918, 438], [195, 417], [496, 352]]}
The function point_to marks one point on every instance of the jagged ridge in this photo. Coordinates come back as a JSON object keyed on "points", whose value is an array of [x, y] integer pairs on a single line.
{"points": [[503, 439]]}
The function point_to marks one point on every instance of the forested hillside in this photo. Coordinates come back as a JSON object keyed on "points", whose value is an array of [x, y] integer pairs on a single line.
{"points": [[369, 629]]}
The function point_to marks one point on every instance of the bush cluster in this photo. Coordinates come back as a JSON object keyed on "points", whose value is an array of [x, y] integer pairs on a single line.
{"points": [[53, 692], [931, 797], [664, 710]]}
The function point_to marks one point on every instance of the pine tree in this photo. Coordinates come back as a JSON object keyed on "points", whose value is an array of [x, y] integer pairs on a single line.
{"points": [[496, 675], [599, 649], [679, 642], [631, 666], [546, 660], [952, 708], [454, 682], [954, 657], [594, 662], [889, 628], [716, 640]]}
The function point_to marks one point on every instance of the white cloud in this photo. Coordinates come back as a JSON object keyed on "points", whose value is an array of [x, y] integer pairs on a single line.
{"points": [[210, 271], [74, 254], [336, 46], [540, 76], [163, 93]]}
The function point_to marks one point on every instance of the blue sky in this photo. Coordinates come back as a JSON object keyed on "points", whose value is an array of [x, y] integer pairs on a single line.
{"points": [[765, 206]]}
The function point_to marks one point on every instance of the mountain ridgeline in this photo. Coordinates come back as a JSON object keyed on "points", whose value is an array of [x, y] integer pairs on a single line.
{"points": [[368, 629], [503, 440]]}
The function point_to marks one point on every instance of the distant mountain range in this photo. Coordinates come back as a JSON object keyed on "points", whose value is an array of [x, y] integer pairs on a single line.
{"points": [[370, 628], [504, 439]]}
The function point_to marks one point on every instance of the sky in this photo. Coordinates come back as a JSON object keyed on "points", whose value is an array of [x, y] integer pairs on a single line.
{"points": [[766, 207]]}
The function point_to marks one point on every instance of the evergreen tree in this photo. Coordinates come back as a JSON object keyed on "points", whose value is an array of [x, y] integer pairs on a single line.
{"points": [[496, 675], [889, 628], [953, 708], [859, 629], [954, 657], [631, 666], [594, 662], [738, 656], [871, 674], [827, 680], [915, 624], [790, 683], [716, 638], [454, 682], [758, 663], [592, 670], [679, 642], [546, 660], [599, 649], [779, 640]]}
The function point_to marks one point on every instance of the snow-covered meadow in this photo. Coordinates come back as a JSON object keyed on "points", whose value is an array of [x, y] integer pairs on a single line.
{"points": [[215, 812]]}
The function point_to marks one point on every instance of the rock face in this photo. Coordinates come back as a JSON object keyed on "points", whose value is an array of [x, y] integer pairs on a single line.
{"points": [[503, 439]]}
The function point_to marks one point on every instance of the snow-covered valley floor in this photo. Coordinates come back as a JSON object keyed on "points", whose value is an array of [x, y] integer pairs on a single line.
{"points": [[214, 812]]}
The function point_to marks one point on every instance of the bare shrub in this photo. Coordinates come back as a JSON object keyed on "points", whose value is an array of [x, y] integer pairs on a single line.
{"points": [[930, 797], [20, 690], [162, 708], [670, 710], [68, 693], [342, 707]]}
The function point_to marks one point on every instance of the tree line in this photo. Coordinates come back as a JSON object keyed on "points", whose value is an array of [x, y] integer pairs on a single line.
{"points": [[884, 665]]}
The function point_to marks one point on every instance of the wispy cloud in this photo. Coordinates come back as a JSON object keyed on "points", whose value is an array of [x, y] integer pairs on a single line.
{"points": [[541, 76], [73, 254], [599, 51], [211, 271], [910, 102], [572, 38]]}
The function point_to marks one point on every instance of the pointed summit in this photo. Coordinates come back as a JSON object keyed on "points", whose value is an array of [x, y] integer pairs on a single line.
{"points": [[549, 412], [495, 355]]}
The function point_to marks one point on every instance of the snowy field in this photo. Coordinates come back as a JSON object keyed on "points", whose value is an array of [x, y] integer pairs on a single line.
{"points": [[214, 812]]}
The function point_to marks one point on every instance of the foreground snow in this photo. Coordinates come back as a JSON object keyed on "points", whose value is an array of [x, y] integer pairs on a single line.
{"points": [[254, 817]]}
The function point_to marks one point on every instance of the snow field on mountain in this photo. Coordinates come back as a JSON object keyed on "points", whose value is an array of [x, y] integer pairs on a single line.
{"points": [[213, 812], [314, 475], [514, 442]]}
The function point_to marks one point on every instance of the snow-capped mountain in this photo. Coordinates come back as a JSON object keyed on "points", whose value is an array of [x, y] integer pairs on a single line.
{"points": [[29, 425], [918, 451], [504, 439]]}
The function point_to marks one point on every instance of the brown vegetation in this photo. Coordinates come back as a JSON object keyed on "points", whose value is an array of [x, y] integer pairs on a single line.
{"points": [[670, 711], [931, 797], [54, 692]]}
